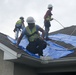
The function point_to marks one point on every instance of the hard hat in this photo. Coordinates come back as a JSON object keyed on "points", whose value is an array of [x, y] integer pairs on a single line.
{"points": [[21, 17], [30, 20], [50, 6]]}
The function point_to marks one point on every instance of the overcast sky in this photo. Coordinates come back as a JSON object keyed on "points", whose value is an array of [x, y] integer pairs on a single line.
{"points": [[10, 10]]}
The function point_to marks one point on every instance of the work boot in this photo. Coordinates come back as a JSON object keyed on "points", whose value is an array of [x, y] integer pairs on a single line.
{"points": [[47, 39]]}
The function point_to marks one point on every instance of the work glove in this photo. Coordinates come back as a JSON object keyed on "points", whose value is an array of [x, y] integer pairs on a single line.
{"points": [[14, 30], [51, 19]]}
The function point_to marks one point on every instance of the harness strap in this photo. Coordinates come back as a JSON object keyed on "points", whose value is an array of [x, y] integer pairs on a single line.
{"points": [[32, 34]]}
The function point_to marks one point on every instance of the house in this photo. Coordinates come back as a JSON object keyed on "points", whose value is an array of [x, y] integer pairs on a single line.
{"points": [[15, 61]]}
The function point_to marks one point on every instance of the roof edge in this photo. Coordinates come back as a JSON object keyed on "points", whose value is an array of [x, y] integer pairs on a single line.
{"points": [[8, 53]]}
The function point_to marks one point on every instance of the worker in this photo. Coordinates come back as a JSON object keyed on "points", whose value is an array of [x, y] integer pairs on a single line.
{"points": [[36, 41], [18, 27], [47, 19]]}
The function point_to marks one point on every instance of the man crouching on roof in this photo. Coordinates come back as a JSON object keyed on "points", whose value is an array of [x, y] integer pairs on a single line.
{"points": [[36, 42]]}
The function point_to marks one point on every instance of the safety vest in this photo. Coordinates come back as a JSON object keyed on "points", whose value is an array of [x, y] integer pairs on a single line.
{"points": [[19, 22], [48, 15], [32, 34], [48, 18]]}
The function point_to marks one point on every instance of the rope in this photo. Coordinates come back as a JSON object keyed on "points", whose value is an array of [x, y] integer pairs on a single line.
{"points": [[63, 27], [69, 37], [73, 31], [59, 23]]}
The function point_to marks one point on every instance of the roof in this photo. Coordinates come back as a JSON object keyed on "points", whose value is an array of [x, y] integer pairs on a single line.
{"points": [[69, 31], [24, 58]]}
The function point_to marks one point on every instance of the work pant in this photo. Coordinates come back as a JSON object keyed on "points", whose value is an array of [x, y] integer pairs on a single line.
{"points": [[47, 26], [46, 32], [37, 47], [17, 33], [17, 30]]}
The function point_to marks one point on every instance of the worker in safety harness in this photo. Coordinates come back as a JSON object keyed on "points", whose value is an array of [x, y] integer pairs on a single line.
{"points": [[18, 27], [47, 19], [36, 41]]}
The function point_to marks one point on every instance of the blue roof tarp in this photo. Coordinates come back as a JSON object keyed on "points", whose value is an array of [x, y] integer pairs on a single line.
{"points": [[54, 51], [69, 39]]}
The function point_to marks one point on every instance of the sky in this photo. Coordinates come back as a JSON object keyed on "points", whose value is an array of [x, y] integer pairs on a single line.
{"points": [[64, 11]]}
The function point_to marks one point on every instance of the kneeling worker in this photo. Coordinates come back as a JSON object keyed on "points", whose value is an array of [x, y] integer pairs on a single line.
{"points": [[36, 42]]}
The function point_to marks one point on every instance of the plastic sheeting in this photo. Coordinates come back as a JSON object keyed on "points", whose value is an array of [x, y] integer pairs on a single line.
{"points": [[69, 39], [54, 51]]}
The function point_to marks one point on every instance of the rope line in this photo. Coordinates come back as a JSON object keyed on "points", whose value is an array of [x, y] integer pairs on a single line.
{"points": [[59, 23]]}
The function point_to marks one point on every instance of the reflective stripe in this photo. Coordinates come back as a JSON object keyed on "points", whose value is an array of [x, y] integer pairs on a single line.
{"points": [[48, 18], [30, 32]]}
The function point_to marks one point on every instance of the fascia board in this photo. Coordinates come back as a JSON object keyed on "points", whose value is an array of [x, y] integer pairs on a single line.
{"points": [[8, 53]]}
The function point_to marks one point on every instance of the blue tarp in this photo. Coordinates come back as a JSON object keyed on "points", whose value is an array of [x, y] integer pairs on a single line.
{"points": [[69, 39], [54, 51]]}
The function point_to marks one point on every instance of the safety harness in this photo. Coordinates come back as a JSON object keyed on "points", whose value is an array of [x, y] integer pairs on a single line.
{"points": [[33, 34]]}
